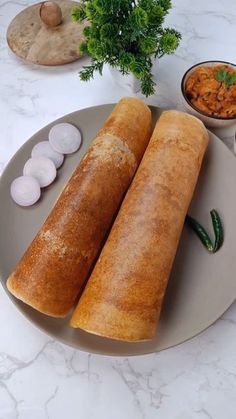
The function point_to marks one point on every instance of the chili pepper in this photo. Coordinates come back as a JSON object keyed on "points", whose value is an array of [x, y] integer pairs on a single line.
{"points": [[218, 230], [201, 233]]}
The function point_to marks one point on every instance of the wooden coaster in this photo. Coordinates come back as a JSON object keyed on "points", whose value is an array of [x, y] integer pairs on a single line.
{"points": [[36, 42]]}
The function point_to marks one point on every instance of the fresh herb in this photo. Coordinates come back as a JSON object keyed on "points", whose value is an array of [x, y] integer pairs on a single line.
{"points": [[226, 77], [126, 35], [203, 235]]}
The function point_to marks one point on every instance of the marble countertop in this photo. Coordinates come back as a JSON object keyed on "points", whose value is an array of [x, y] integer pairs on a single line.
{"points": [[41, 378]]}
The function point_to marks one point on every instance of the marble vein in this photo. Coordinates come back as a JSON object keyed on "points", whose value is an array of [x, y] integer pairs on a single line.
{"points": [[48, 401]]}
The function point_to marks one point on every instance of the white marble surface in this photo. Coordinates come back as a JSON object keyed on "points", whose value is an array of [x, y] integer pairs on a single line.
{"points": [[40, 378]]}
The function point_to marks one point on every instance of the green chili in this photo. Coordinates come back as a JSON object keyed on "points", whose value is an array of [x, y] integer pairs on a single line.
{"points": [[201, 233], [218, 230]]}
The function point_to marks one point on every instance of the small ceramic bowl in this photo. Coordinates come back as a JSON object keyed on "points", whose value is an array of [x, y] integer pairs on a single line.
{"points": [[210, 121]]}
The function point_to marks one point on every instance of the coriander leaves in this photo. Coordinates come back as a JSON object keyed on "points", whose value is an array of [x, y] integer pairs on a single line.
{"points": [[226, 77]]}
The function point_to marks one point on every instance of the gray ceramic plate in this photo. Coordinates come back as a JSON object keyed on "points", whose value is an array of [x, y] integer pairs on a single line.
{"points": [[201, 287]]}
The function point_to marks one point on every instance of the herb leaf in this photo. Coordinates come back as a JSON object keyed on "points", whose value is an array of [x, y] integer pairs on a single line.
{"points": [[224, 76], [125, 34], [232, 79], [220, 75]]}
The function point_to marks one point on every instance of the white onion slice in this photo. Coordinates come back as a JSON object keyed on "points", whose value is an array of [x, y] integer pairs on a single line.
{"points": [[44, 149], [25, 191], [42, 169], [65, 138]]}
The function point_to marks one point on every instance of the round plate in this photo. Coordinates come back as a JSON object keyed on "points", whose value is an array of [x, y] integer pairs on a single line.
{"points": [[201, 287]]}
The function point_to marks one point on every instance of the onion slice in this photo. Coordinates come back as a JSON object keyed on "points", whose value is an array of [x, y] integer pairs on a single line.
{"points": [[25, 191], [44, 149], [42, 169], [65, 138]]}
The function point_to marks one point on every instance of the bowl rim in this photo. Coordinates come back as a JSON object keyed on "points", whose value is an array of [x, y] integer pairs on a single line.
{"points": [[190, 103]]}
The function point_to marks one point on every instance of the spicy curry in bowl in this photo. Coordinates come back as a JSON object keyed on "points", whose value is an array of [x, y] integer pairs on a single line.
{"points": [[212, 90]]}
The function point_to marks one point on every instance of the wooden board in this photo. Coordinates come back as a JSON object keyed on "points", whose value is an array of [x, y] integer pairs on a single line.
{"points": [[30, 39]]}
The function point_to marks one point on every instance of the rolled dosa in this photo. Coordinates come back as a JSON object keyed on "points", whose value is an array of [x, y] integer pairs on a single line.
{"points": [[51, 273], [123, 296]]}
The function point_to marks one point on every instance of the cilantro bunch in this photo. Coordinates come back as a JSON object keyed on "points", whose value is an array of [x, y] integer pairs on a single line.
{"points": [[126, 34]]}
